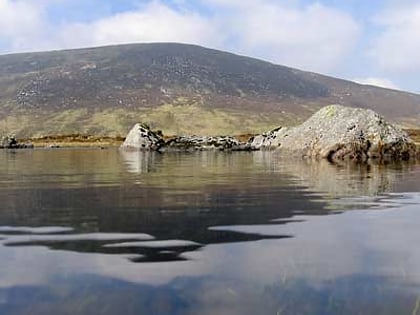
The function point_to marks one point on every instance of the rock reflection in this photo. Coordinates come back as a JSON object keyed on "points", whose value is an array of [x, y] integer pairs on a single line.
{"points": [[139, 162], [180, 196], [319, 176], [338, 180]]}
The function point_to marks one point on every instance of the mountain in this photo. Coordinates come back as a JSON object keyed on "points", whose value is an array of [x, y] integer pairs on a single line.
{"points": [[178, 88]]}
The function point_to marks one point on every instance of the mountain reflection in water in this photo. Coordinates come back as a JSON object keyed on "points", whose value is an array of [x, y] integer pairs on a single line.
{"points": [[107, 232]]}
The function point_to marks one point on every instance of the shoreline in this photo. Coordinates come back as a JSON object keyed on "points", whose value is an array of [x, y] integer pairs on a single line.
{"points": [[74, 141], [79, 140]]}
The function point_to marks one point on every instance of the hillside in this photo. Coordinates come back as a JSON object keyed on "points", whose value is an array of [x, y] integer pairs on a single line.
{"points": [[180, 89]]}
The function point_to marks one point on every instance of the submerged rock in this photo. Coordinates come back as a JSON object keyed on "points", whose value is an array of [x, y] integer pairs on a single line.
{"points": [[336, 132], [142, 138]]}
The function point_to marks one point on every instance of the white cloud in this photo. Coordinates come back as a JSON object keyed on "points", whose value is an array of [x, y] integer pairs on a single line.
{"points": [[152, 23], [381, 82], [313, 37], [397, 47], [24, 27], [19, 21], [155, 22]]}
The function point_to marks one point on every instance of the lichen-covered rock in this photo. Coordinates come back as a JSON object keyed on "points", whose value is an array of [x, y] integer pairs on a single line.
{"points": [[268, 140], [201, 143], [142, 138], [336, 132]]}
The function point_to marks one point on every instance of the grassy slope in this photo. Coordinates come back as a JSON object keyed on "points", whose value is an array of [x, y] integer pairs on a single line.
{"points": [[179, 89], [171, 119]]}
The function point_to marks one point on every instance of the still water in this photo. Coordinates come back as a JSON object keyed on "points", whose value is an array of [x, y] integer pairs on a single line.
{"points": [[108, 232]]}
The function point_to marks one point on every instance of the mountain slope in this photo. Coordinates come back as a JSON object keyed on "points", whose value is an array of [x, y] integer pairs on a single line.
{"points": [[174, 87]]}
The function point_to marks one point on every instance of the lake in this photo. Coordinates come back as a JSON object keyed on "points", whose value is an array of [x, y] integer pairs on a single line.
{"points": [[85, 231]]}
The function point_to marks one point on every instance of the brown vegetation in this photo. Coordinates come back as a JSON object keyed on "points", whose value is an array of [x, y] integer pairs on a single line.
{"points": [[74, 140], [415, 135]]}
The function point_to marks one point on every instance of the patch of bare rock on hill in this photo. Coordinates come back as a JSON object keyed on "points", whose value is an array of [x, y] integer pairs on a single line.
{"points": [[335, 133]]}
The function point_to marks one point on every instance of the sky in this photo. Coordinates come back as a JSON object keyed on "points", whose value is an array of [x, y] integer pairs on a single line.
{"points": [[368, 41]]}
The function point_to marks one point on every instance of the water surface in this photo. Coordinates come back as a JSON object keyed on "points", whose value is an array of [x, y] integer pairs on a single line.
{"points": [[108, 232]]}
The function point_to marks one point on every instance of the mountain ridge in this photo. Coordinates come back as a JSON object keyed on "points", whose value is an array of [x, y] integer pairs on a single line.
{"points": [[178, 88]]}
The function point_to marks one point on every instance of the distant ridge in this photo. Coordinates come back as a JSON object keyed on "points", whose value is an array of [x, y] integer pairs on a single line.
{"points": [[178, 88]]}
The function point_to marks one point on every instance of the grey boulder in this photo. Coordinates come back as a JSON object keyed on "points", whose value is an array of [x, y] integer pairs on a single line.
{"points": [[142, 138], [337, 132]]}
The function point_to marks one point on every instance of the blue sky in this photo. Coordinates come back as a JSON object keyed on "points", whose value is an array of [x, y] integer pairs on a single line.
{"points": [[374, 42]]}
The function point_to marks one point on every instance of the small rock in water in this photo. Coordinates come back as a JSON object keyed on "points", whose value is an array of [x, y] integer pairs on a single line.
{"points": [[10, 142]]}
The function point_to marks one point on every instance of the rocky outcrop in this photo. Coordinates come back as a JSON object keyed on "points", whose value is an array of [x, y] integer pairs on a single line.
{"points": [[200, 143], [338, 133], [10, 142], [142, 138], [335, 132]]}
